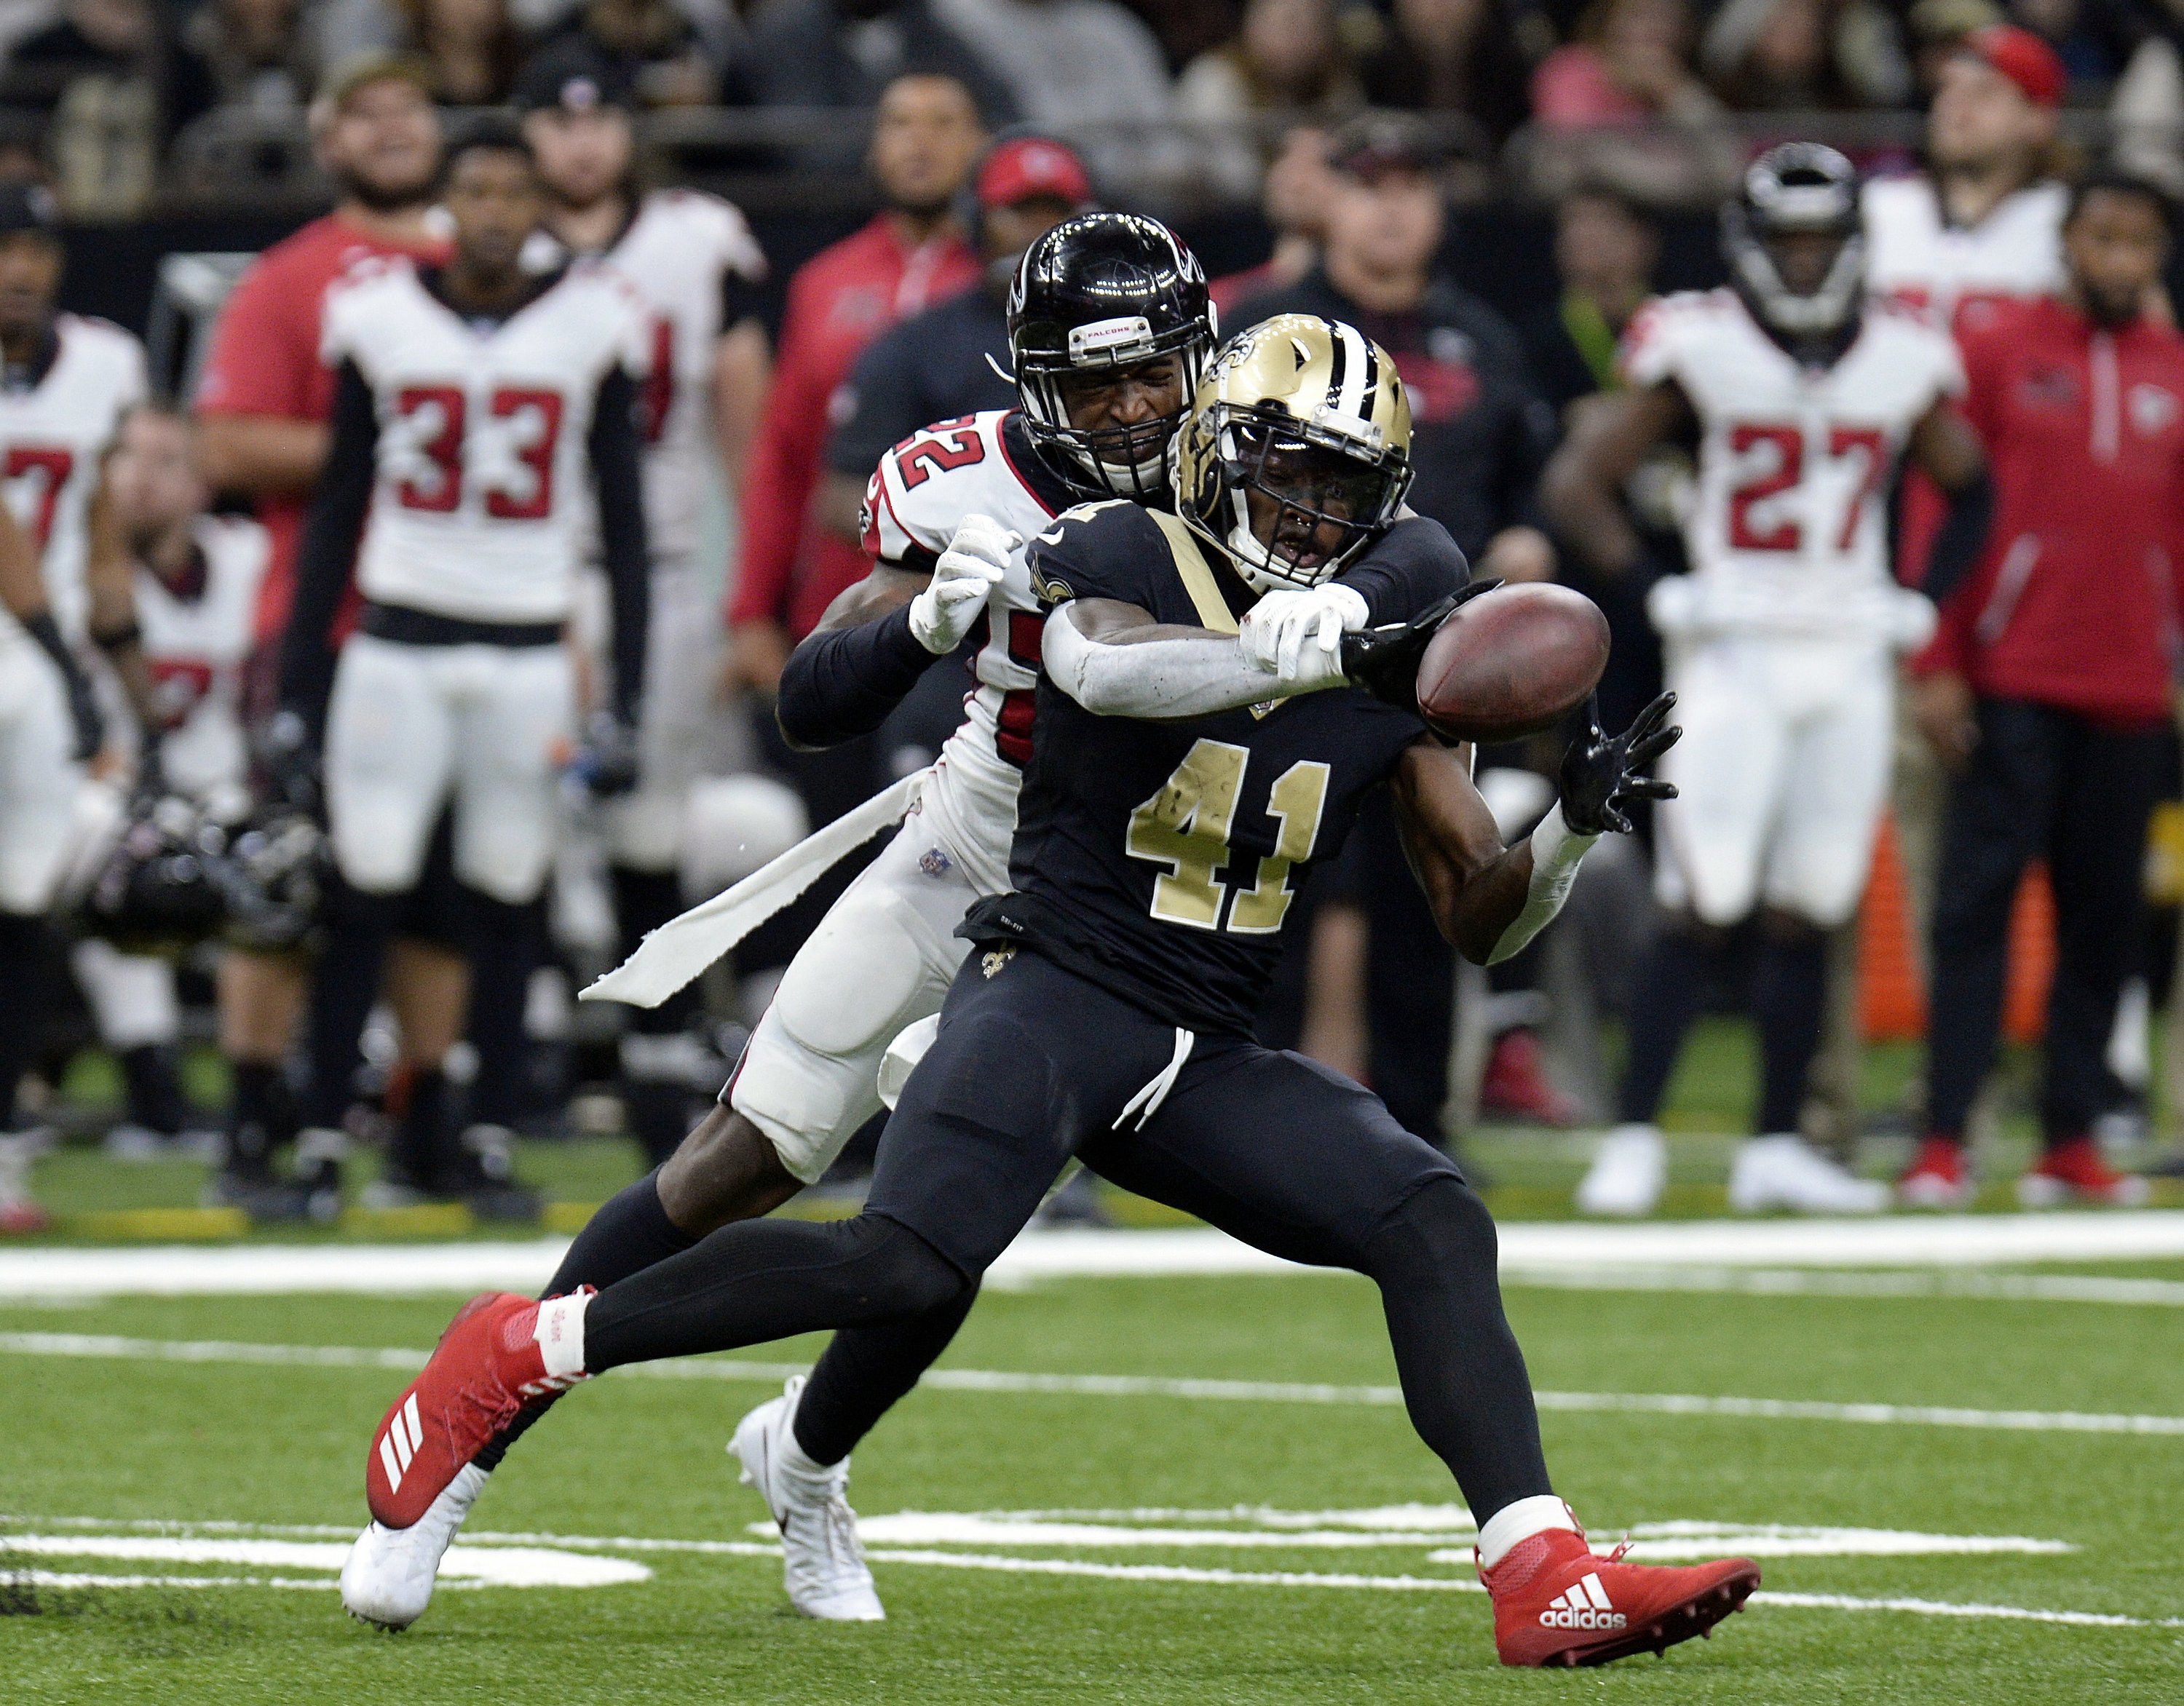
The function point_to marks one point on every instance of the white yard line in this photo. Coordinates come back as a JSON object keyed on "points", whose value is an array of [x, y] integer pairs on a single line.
{"points": [[1538, 1250], [184, 1542], [111, 1346]]}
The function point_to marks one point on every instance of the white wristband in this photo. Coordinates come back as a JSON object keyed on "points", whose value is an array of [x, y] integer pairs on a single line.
{"points": [[1557, 850]]}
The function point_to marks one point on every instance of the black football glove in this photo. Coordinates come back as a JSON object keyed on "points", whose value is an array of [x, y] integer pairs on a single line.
{"points": [[1384, 661], [288, 760], [609, 762], [1600, 773]]}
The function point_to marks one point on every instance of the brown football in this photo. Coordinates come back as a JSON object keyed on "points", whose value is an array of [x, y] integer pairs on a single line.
{"points": [[1511, 662]]}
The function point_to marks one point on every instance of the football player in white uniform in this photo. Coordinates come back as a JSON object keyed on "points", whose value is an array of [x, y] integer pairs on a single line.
{"points": [[191, 580], [693, 261], [67, 383], [1110, 329], [1781, 643], [479, 409]]}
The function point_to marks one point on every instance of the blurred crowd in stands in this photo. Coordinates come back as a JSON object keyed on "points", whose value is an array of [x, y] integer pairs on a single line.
{"points": [[110, 87]]}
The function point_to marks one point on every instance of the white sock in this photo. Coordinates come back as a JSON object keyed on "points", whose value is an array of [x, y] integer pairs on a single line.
{"points": [[1514, 1524], [793, 1457], [560, 1332]]}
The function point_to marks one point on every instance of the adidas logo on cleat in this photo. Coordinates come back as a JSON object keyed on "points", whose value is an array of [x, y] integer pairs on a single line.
{"points": [[399, 1444], [1586, 1606]]}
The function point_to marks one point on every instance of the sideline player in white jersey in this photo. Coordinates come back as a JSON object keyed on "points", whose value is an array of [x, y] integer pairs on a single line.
{"points": [[479, 410], [1110, 329], [1781, 643], [192, 580], [67, 382], [693, 260]]}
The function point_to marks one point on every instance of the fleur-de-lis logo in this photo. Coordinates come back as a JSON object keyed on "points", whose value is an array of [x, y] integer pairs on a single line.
{"points": [[995, 959]]}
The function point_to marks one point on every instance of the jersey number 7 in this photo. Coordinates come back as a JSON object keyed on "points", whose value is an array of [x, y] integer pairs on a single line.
{"points": [[1185, 827]]}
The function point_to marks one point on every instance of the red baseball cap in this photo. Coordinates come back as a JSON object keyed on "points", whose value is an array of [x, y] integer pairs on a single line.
{"points": [[2024, 59], [1025, 168]]}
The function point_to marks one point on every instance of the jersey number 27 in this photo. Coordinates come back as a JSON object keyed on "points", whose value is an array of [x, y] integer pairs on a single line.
{"points": [[1784, 469], [1185, 826]]}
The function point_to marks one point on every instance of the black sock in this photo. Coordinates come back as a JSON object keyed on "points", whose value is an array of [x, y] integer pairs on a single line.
{"points": [[425, 1133], [261, 1117], [630, 1232], [1789, 994], [1464, 1379], [505, 947], [757, 1281], [344, 984], [656, 1099], [1670, 985], [153, 1082], [23, 953], [865, 1371]]}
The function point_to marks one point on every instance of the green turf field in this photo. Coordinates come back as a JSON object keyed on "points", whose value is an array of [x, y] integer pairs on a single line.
{"points": [[1913, 1548]]}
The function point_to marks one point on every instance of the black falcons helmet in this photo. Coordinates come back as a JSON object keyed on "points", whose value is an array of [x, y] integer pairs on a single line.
{"points": [[158, 888], [276, 873], [1101, 291], [1793, 189]]}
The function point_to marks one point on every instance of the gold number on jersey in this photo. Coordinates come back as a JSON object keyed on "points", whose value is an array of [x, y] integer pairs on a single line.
{"points": [[1299, 797], [1185, 826]]}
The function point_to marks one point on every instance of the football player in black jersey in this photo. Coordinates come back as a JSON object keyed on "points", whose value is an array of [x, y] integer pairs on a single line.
{"points": [[1203, 734]]}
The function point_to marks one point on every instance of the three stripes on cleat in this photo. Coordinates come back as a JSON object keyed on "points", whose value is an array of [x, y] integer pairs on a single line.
{"points": [[398, 1444]]}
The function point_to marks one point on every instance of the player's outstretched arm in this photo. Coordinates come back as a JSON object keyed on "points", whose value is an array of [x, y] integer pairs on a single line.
{"points": [[880, 636], [1608, 437], [1115, 660], [1489, 901]]}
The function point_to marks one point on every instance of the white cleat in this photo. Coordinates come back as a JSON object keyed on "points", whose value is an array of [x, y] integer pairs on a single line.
{"points": [[387, 1581], [1783, 1171], [1629, 1172], [822, 1560]]}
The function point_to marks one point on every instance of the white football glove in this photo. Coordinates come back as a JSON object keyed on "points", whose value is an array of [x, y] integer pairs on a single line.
{"points": [[971, 566], [1297, 636]]}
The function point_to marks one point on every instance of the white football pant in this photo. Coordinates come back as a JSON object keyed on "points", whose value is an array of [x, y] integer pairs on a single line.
{"points": [[1781, 776], [882, 960], [411, 725], [37, 776], [682, 733], [131, 996]]}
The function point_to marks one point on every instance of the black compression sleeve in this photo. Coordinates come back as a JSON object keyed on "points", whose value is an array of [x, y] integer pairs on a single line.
{"points": [[842, 683], [1414, 564], [1963, 537], [328, 550], [617, 456]]}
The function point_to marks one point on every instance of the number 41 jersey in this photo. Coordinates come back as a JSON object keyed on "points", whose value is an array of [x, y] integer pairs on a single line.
{"points": [[1787, 531], [483, 481], [1159, 859]]}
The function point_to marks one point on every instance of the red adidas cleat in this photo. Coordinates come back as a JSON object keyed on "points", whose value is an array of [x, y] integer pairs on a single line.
{"points": [[1557, 1601], [2074, 1171], [1937, 1178], [1515, 1084], [489, 1363]]}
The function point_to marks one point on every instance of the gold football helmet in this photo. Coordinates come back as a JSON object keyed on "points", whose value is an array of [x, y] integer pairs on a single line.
{"points": [[1297, 452]]}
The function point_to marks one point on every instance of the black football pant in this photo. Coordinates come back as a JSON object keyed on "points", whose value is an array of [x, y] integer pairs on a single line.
{"points": [[1033, 1065], [2042, 783]]}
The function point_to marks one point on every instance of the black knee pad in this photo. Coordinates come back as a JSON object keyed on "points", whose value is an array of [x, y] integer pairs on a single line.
{"points": [[1441, 1228], [898, 1271]]}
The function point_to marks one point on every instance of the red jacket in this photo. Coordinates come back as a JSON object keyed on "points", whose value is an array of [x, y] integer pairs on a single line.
{"points": [[838, 302], [2075, 601]]}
